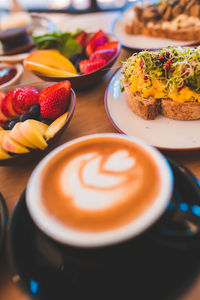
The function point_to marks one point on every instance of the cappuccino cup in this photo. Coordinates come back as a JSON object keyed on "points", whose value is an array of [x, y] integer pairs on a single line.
{"points": [[99, 190]]}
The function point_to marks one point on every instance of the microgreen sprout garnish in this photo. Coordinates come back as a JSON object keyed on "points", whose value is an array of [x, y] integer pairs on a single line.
{"points": [[173, 68]]}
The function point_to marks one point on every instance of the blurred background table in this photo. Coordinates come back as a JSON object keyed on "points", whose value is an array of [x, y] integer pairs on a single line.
{"points": [[89, 117]]}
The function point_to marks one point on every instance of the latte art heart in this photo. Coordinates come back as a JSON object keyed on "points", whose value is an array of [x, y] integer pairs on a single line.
{"points": [[95, 181], [100, 184]]}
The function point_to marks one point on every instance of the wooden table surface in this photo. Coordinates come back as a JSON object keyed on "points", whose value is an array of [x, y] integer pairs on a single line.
{"points": [[89, 117]]}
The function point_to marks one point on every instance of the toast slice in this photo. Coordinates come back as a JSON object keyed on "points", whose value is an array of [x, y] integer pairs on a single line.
{"points": [[146, 108], [180, 111], [149, 108]]}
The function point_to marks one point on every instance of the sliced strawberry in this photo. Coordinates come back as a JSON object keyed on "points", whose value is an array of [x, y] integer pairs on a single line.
{"points": [[109, 45], [24, 98], [97, 35], [2, 95], [81, 38], [3, 118], [14, 102], [98, 39], [106, 54], [55, 87], [88, 66], [7, 106], [54, 101]]}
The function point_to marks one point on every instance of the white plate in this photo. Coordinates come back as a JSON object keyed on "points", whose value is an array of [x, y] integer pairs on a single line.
{"points": [[162, 132], [138, 42], [13, 58]]}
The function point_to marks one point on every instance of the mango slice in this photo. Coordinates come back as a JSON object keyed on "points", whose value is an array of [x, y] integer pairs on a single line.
{"points": [[2, 134], [34, 131], [3, 153], [41, 127], [45, 70], [44, 61], [16, 135], [55, 126], [8, 144]]}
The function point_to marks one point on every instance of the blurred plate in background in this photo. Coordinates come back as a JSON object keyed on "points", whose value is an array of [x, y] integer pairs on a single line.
{"points": [[139, 42], [41, 24]]}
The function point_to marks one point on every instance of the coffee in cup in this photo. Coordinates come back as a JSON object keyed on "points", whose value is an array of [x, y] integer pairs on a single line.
{"points": [[98, 190]]}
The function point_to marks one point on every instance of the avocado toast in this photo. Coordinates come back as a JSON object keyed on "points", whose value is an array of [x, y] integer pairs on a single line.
{"points": [[165, 82]]}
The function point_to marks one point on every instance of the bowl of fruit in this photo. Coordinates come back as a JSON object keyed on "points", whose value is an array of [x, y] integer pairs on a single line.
{"points": [[32, 118], [82, 58]]}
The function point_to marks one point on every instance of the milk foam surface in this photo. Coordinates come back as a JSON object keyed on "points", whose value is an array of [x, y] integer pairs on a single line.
{"points": [[95, 182], [99, 184]]}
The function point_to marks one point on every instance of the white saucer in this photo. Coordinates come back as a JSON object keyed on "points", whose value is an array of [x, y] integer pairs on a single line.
{"points": [[162, 132], [13, 58], [138, 42]]}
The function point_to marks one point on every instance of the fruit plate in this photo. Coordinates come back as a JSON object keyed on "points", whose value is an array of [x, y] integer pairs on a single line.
{"points": [[36, 153], [139, 42], [84, 81], [163, 133]]}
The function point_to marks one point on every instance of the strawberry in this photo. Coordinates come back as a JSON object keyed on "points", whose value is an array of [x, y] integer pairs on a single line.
{"points": [[54, 100], [7, 106], [81, 38], [15, 107], [55, 87], [97, 35], [3, 118], [88, 66], [94, 44], [109, 45], [98, 39], [106, 54], [2, 95], [24, 98]]}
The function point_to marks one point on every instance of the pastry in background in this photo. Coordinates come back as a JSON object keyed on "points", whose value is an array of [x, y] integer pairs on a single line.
{"points": [[173, 19], [14, 33], [15, 20]]}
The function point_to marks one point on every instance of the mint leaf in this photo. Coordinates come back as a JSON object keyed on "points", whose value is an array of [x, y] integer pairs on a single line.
{"points": [[71, 47], [76, 33], [63, 42]]}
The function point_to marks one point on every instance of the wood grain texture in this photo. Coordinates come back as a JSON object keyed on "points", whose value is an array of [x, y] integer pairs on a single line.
{"points": [[89, 117]]}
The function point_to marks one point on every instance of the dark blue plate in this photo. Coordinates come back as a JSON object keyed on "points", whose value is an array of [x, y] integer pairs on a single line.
{"points": [[160, 264], [3, 219]]}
